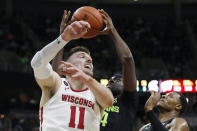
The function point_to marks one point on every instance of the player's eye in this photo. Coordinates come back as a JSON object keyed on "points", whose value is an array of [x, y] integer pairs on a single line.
{"points": [[170, 96], [117, 79], [111, 81], [81, 56]]}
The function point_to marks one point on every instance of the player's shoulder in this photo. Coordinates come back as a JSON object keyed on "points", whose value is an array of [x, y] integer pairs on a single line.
{"points": [[129, 99], [129, 94], [64, 80], [179, 121]]}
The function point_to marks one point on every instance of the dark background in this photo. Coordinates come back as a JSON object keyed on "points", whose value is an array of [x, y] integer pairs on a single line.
{"points": [[161, 35]]}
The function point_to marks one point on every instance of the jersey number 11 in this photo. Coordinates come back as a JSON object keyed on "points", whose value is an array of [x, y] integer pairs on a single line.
{"points": [[81, 117]]}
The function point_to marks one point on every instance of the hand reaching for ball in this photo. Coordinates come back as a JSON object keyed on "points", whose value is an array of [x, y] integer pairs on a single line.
{"points": [[75, 30], [95, 18], [108, 22], [152, 101], [64, 21]]}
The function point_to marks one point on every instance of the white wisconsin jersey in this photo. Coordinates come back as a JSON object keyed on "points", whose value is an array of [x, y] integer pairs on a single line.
{"points": [[70, 110]]}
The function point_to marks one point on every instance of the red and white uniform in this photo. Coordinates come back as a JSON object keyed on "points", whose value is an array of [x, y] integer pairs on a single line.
{"points": [[70, 110]]}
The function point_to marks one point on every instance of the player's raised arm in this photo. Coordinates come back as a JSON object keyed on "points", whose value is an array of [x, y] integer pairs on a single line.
{"points": [[43, 71], [177, 123], [59, 56], [124, 53]]}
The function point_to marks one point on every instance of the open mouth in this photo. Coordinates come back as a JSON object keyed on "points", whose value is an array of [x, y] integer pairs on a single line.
{"points": [[88, 67], [162, 100]]}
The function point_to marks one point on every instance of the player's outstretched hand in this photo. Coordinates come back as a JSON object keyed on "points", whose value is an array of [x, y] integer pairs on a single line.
{"points": [[152, 101], [67, 69], [64, 21], [108, 22], [75, 30]]}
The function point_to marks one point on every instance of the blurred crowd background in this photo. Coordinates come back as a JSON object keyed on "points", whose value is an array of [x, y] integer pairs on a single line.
{"points": [[162, 36]]}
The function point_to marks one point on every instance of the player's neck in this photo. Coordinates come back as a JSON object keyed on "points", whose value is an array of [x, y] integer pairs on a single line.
{"points": [[75, 84], [167, 115]]}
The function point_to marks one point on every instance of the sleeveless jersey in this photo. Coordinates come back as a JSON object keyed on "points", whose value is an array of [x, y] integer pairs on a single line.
{"points": [[70, 110], [149, 127], [120, 117]]}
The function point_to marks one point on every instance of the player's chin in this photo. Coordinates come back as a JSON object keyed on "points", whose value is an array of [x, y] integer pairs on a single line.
{"points": [[158, 104], [161, 104], [108, 86], [88, 72]]}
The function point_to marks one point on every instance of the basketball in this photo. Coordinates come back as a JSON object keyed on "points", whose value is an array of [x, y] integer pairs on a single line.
{"points": [[92, 16]]}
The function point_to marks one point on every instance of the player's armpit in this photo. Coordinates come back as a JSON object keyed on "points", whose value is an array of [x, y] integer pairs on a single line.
{"points": [[51, 83], [179, 124], [49, 87]]}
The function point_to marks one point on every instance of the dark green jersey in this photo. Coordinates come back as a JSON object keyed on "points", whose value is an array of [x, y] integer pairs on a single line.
{"points": [[120, 116]]}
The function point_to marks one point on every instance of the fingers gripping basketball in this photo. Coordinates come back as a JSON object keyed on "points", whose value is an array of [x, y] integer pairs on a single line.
{"points": [[92, 16], [75, 30]]}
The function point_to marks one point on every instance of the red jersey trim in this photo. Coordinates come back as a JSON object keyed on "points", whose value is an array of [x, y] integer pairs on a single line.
{"points": [[77, 90], [41, 119]]}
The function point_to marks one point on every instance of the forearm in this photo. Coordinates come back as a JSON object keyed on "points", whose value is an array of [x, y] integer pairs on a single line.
{"points": [[59, 56], [157, 125], [50, 50], [121, 47], [128, 64], [41, 59], [102, 94]]}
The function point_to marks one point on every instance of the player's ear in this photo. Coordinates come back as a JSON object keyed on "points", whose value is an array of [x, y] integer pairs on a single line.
{"points": [[178, 107]]}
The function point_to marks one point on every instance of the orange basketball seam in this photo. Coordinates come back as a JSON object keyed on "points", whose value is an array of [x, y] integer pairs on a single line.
{"points": [[92, 15]]}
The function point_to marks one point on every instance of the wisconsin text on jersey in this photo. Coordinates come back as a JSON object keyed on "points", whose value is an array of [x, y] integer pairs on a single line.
{"points": [[78, 101]]}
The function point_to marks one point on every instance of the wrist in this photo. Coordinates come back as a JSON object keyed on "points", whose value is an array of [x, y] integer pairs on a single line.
{"points": [[65, 38], [147, 109], [112, 32], [88, 80]]}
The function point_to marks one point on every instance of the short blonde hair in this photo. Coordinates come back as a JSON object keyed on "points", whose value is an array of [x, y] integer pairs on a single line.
{"points": [[76, 49]]}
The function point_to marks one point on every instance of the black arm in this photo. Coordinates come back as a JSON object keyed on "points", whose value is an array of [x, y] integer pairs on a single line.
{"points": [[157, 125], [126, 58]]}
